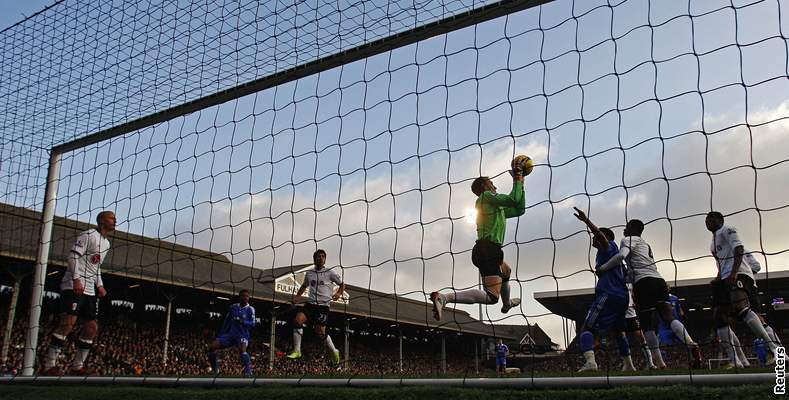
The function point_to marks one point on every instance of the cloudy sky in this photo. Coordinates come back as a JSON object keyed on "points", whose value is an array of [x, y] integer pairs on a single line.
{"points": [[658, 112]]}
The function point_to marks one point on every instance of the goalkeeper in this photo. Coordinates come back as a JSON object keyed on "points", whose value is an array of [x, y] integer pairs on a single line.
{"points": [[493, 210]]}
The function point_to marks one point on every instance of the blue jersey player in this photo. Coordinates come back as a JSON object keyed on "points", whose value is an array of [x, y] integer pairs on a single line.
{"points": [[501, 357], [607, 312], [665, 334], [235, 332], [760, 347]]}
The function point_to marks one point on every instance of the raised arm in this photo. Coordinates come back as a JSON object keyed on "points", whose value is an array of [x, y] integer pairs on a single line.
{"points": [[520, 200], [596, 232], [514, 204]]}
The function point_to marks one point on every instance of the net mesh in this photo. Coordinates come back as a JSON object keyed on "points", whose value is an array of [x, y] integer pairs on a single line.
{"points": [[631, 109]]}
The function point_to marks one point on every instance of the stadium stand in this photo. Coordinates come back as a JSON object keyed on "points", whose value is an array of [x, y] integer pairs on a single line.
{"points": [[132, 318]]}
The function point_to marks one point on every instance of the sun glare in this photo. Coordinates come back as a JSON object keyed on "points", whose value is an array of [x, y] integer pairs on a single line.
{"points": [[471, 215]]}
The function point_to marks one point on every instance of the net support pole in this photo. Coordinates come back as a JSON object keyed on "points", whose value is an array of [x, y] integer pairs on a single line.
{"points": [[167, 330], [476, 357], [443, 353], [400, 339], [347, 354], [42, 259], [272, 339], [9, 323]]}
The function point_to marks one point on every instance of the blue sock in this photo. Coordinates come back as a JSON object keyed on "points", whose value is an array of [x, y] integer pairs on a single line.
{"points": [[587, 341], [212, 361], [247, 361], [624, 345]]}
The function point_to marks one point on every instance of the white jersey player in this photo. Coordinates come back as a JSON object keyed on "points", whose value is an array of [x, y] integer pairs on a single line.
{"points": [[320, 282], [734, 289], [87, 255], [650, 293], [633, 330], [79, 289]]}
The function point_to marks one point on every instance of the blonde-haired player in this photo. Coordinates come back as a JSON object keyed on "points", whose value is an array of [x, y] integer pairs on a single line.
{"points": [[80, 286]]}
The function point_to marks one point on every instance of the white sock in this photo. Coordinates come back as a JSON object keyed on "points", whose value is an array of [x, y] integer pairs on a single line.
{"points": [[647, 355], [589, 356], [505, 293], [54, 352], [471, 296], [654, 347], [330, 344], [752, 320], [724, 334], [741, 357], [297, 333], [52, 356], [81, 356], [627, 361], [682, 333], [771, 334]]}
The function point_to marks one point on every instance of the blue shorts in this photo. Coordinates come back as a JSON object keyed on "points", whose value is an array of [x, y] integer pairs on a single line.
{"points": [[607, 313], [230, 340], [501, 361], [667, 337]]}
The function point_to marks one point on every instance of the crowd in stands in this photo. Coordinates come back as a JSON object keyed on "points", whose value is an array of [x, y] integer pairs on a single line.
{"points": [[127, 347]]}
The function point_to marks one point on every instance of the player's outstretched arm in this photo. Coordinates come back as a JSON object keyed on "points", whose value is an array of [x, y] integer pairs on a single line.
{"points": [[596, 232], [615, 260], [514, 203], [520, 208]]}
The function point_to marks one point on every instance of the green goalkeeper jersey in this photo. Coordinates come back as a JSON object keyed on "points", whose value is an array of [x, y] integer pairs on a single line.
{"points": [[494, 209]]}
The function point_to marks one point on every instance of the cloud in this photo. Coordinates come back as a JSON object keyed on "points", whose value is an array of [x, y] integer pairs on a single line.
{"points": [[412, 240]]}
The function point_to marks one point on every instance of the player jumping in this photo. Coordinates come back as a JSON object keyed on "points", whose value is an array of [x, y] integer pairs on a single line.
{"points": [[650, 292], [316, 311], [633, 328], [607, 313], [235, 332], [493, 209], [80, 286], [734, 288]]}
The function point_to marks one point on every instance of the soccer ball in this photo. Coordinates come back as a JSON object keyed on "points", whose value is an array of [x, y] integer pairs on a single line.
{"points": [[523, 164]]}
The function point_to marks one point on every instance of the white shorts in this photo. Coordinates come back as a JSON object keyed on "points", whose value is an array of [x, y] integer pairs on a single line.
{"points": [[631, 312]]}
